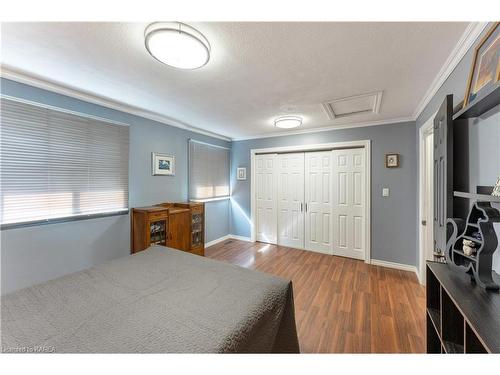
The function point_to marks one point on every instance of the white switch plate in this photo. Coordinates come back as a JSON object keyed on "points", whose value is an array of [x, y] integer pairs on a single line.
{"points": [[385, 192]]}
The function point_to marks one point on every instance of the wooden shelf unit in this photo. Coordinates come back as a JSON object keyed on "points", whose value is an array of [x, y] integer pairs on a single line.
{"points": [[196, 225], [461, 316], [177, 225]]}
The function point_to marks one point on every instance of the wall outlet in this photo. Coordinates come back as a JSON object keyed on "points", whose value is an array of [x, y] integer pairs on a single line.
{"points": [[385, 192]]}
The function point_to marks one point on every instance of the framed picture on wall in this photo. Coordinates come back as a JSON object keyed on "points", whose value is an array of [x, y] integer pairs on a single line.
{"points": [[162, 165], [485, 69], [391, 160], [241, 174]]}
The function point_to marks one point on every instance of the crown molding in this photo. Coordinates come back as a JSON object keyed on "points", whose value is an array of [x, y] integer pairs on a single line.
{"points": [[328, 128], [45, 84], [466, 41]]}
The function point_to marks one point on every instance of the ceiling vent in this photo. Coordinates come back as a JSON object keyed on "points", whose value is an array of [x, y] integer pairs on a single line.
{"points": [[353, 105]]}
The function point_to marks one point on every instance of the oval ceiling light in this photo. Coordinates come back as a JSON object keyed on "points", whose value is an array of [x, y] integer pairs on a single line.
{"points": [[177, 44], [288, 122]]}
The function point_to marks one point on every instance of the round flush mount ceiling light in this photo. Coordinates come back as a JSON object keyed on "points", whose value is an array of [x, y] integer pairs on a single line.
{"points": [[288, 122], [177, 44]]}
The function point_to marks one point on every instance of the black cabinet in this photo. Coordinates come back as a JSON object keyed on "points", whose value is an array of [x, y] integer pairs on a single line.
{"points": [[462, 317]]}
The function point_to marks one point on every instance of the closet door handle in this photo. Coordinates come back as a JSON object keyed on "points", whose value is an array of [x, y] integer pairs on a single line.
{"points": [[306, 207], [301, 207]]}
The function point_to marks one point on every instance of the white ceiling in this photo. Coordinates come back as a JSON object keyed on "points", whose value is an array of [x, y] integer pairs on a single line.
{"points": [[257, 71]]}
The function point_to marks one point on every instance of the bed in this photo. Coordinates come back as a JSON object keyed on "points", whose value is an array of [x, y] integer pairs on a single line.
{"points": [[157, 301]]}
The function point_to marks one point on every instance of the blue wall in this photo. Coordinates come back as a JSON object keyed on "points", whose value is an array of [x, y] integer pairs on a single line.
{"points": [[34, 254], [393, 219], [484, 132]]}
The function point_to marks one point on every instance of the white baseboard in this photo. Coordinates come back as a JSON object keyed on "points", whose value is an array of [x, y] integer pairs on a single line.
{"points": [[218, 240], [227, 237], [398, 266], [240, 238]]}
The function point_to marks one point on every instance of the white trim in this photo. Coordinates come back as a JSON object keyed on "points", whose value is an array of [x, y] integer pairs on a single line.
{"points": [[397, 266], [424, 129], [208, 144], [210, 199], [240, 238], [49, 85], [312, 147], [228, 237], [328, 128], [327, 106], [217, 240], [466, 41], [62, 110], [366, 144]]}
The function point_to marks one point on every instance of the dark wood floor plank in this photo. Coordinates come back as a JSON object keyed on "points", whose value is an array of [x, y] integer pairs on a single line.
{"points": [[342, 305]]}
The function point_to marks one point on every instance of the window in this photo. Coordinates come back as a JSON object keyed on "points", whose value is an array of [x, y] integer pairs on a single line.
{"points": [[58, 165], [208, 171]]}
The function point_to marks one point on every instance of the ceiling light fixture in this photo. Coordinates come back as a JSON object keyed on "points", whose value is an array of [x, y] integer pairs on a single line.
{"points": [[177, 44], [288, 122]]}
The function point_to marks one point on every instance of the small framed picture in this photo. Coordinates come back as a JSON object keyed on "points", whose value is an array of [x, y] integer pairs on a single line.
{"points": [[241, 174], [162, 165], [391, 160]]}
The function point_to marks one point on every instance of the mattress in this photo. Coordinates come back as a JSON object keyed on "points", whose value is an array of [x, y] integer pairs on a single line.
{"points": [[157, 301]]}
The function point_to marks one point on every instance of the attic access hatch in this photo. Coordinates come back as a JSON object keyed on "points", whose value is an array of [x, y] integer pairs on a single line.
{"points": [[353, 105]]}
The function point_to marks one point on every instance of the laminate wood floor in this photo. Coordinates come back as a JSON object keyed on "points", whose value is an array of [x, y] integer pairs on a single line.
{"points": [[342, 305]]}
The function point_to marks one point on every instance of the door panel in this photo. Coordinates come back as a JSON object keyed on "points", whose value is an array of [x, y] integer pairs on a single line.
{"points": [[318, 200], [443, 171], [349, 203], [290, 200], [266, 207], [178, 231]]}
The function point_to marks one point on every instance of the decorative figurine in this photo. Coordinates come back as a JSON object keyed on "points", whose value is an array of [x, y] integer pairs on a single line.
{"points": [[477, 236], [496, 189]]}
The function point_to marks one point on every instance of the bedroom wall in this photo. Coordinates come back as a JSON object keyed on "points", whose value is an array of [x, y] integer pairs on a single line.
{"points": [[393, 221], [32, 255], [484, 133]]}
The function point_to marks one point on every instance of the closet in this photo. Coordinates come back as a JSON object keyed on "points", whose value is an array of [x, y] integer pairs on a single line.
{"points": [[312, 200]]}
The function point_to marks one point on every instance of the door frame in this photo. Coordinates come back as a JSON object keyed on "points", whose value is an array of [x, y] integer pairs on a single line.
{"points": [[425, 129], [366, 144]]}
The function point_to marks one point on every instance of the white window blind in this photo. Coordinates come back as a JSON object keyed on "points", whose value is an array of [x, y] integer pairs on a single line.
{"points": [[208, 171], [58, 165]]}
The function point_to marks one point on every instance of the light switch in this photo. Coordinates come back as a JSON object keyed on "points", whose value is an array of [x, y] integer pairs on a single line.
{"points": [[385, 192]]}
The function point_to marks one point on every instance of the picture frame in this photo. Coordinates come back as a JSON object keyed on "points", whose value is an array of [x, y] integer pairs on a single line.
{"points": [[485, 69], [162, 164], [241, 174], [392, 160]]}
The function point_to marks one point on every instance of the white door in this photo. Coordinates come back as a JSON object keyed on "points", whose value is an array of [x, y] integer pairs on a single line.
{"points": [[349, 203], [318, 201], [291, 200], [427, 220], [266, 205]]}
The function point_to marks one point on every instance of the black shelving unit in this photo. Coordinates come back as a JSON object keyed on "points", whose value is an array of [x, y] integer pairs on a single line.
{"points": [[477, 197], [461, 316], [490, 98]]}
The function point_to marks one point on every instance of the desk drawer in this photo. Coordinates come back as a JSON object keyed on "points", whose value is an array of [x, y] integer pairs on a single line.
{"points": [[157, 215]]}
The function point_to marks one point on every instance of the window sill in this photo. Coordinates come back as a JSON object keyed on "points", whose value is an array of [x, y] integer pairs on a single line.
{"points": [[210, 199], [62, 219]]}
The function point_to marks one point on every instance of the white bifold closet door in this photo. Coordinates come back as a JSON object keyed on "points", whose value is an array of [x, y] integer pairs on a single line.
{"points": [[318, 200], [349, 203], [291, 200], [266, 207]]}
